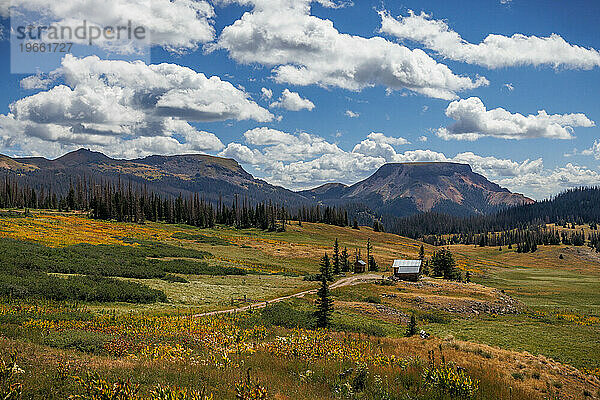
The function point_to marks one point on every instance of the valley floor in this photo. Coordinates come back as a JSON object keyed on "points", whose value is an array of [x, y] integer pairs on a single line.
{"points": [[528, 327]]}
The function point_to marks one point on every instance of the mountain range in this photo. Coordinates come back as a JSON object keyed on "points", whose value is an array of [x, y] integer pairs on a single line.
{"points": [[398, 189]]}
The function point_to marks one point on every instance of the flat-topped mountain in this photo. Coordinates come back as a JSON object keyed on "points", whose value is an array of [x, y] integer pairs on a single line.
{"points": [[403, 189]]}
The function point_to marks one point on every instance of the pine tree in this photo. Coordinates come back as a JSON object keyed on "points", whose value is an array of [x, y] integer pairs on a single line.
{"points": [[324, 304], [326, 268], [336, 258], [369, 249], [344, 260], [443, 264], [421, 253], [355, 225], [372, 264], [411, 330]]}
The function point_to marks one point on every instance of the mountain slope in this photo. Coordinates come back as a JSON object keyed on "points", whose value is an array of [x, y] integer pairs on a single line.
{"points": [[213, 177], [410, 188], [394, 189]]}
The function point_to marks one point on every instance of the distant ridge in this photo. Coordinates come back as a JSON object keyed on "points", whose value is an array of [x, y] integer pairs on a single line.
{"points": [[398, 189]]}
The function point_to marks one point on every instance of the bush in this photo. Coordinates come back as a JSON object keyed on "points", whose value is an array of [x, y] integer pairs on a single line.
{"points": [[87, 342], [82, 288], [86, 259], [518, 376], [283, 314], [373, 299], [451, 380], [366, 329]]}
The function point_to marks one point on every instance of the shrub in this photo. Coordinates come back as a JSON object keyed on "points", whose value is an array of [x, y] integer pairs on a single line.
{"points": [[373, 299], [451, 380], [518, 376], [283, 314], [87, 342], [82, 288]]}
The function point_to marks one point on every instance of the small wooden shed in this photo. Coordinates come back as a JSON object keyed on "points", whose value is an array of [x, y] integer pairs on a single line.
{"points": [[360, 266], [408, 270]]}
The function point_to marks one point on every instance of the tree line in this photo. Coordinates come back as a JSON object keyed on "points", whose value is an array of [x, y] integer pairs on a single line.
{"points": [[126, 202]]}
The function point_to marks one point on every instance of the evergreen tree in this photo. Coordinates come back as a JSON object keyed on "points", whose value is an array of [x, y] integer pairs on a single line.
{"points": [[369, 250], [336, 258], [372, 264], [326, 268], [421, 253], [355, 224], [443, 264], [411, 329], [344, 260], [324, 305]]}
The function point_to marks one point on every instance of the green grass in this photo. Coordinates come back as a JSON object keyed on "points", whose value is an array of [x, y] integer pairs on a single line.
{"points": [[565, 342], [547, 288]]}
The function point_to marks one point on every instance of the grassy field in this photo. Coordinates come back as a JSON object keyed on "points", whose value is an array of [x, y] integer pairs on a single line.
{"points": [[505, 330]]}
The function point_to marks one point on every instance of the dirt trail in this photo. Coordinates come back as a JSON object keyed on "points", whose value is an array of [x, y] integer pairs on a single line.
{"points": [[347, 281]]}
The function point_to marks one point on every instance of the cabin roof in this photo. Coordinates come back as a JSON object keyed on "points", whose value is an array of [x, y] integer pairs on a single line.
{"points": [[406, 266]]}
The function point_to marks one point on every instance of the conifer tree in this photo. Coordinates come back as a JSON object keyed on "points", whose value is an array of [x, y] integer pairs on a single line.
{"points": [[369, 249], [344, 260], [336, 258], [411, 329], [326, 268], [421, 253], [324, 304]]}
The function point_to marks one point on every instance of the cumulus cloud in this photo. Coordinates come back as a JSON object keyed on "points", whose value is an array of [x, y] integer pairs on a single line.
{"points": [[292, 101], [110, 103], [34, 82], [176, 25], [593, 151], [548, 182], [352, 114], [266, 93], [422, 138], [305, 50], [495, 51], [474, 121]]}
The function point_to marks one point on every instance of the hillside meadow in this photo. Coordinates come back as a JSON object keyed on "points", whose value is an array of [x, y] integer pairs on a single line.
{"points": [[527, 327]]}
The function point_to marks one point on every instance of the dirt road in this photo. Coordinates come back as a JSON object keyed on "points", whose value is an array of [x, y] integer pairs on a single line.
{"points": [[346, 281]]}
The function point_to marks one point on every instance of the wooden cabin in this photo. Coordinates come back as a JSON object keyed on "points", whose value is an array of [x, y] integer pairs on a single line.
{"points": [[407, 270], [360, 266]]}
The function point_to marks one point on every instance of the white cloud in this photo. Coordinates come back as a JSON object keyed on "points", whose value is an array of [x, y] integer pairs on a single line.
{"points": [[593, 151], [474, 121], [352, 114], [302, 160], [495, 51], [306, 50], [34, 82], [293, 102], [175, 25], [110, 103], [267, 137], [547, 183], [266, 93], [422, 138], [509, 87]]}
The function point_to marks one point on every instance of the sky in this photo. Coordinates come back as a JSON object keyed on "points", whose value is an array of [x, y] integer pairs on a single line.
{"points": [[305, 92]]}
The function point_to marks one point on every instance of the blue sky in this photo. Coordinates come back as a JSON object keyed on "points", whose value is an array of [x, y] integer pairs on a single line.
{"points": [[311, 92]]}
